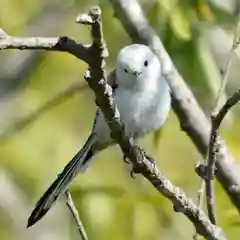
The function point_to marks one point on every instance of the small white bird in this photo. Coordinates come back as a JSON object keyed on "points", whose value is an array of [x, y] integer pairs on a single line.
{"points": [[143, 98]]}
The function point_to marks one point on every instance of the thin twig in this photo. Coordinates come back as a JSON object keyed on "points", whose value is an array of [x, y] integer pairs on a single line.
{"points": [[231, 102], [21, 124], [213, 151], [214, 139], [71, 206], [226, 71]]}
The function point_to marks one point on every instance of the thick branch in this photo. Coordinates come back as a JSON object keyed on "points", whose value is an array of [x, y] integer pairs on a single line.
{"points": [[63, 44], [191, 117], [140, 160]]}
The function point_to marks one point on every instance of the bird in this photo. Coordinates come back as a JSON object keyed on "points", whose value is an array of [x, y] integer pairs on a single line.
{"points": [[143, 98]]}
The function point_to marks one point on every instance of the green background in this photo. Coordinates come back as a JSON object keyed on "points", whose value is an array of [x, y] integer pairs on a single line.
{"points": [[110, 203]]}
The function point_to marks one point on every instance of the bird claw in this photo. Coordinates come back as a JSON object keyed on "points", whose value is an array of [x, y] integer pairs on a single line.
{"points": [[125, 159], [133, 172]]}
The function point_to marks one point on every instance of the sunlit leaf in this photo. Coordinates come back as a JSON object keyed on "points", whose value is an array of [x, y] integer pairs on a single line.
{"points": [[203, 10], [180, 24]]}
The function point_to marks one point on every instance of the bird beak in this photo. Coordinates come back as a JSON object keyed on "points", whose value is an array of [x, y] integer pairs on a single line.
{"points": [[136, 73]]}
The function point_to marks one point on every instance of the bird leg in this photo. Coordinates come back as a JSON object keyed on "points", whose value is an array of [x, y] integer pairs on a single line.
{"points": [[125, 159], [142, 155], [133, 173]]}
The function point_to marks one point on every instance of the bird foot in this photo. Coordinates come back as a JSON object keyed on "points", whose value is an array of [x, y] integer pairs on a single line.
{"points": [[125, 159], [133, 172]]}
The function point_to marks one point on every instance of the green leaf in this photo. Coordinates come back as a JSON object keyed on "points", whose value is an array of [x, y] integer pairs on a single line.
{"points": [[180, 24]]}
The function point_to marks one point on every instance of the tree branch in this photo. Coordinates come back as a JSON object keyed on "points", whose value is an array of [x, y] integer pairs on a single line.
{"points": [[217, 119], [191, 117], [75, 215], [231, 102], [214, 138], [96, 79], [62, 44]]}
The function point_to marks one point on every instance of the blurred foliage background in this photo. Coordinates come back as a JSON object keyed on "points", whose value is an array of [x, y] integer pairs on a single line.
{"points": [[198, 36]]}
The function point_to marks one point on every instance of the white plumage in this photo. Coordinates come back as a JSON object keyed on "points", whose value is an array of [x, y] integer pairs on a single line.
{"points": [[142, 96], [143, 99]]}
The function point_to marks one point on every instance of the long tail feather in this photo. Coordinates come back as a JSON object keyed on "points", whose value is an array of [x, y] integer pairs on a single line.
{"points": [[60, 185]]}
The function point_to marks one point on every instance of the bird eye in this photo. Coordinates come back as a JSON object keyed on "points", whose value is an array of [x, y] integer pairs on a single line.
{"points": [[125, 70], [146, 63]]}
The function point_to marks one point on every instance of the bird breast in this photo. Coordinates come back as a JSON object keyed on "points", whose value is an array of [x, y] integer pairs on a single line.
{"points": [[141, 112]]}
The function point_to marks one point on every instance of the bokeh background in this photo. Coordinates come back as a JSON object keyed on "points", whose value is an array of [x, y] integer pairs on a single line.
{"points": [[34, 147]]}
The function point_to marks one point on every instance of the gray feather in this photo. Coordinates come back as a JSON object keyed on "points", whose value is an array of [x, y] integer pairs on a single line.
{"points": [[59, 186]]}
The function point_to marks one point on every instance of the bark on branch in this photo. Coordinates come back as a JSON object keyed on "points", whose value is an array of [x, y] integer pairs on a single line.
{"points": [[62, 44], [191, 117], [214, 147]]}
